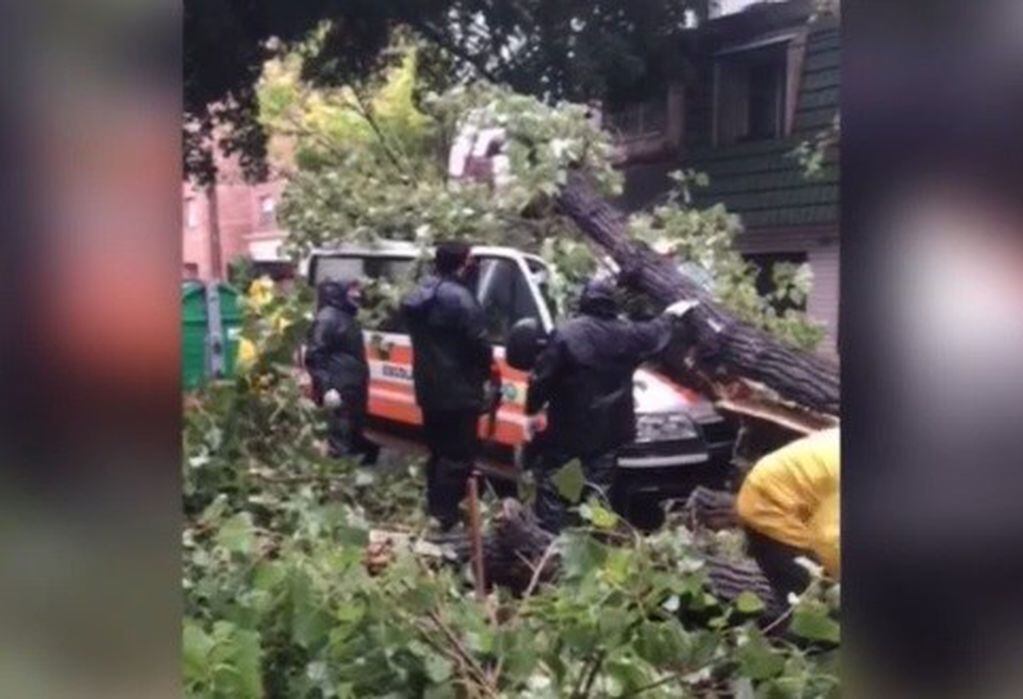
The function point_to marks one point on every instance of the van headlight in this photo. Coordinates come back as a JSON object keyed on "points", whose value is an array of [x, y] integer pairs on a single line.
{"points": [[663, 427]]}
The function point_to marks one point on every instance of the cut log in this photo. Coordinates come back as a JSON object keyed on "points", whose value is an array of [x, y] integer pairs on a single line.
{"points": [[512, 549], [712, 509], [728, 579], [746, 370], [517, 546]]}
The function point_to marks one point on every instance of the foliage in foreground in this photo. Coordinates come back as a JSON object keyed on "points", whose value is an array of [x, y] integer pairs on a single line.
{"points": [[278, 601]]}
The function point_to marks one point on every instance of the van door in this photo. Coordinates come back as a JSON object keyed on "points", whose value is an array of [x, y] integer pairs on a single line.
{"points": [[504, 291], [506, 295]]}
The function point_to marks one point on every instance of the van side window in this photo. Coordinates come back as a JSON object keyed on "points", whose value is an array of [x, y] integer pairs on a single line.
{"points": [[395, 270], [336, 268], [505, 295]]}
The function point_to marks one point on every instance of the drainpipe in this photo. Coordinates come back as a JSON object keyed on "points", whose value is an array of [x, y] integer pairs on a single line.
{"points": [[216, 261]]}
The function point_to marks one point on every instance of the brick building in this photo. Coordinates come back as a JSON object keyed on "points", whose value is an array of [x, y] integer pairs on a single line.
{"points": [[234, 219]]}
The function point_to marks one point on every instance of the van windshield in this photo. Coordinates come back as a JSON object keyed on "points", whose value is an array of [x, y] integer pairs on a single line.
{"points": [[337, 268]]}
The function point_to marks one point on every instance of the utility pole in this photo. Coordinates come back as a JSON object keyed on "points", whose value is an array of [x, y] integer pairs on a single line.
{"points": [[214, 327], [216, 262]]}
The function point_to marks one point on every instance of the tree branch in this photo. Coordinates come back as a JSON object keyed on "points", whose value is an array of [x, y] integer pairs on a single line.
{"points": [[442, 41], [456, 643], [654, 685], [363, 110], [589, 675], [538, 570]]}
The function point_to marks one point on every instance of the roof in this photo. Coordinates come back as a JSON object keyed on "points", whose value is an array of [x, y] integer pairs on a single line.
{"points": [[403, 248], [762, 181]]}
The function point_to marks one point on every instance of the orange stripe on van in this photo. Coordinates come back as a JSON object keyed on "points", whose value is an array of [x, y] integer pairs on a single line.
{"points": [[394, 398]]}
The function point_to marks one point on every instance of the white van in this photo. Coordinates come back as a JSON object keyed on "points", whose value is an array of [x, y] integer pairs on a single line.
{"points": [[682, 440]]}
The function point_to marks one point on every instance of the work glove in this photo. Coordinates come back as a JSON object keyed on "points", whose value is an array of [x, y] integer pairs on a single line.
{"points": [[535, 425], [332, 399]]}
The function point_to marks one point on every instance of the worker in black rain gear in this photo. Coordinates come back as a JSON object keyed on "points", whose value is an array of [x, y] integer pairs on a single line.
{"points": [[452, 370], [336, 360], [584, 377]]}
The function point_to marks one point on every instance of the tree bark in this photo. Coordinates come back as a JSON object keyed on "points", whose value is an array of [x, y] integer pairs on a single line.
{"points": [[713, 509], [516, 547], [512, 549], [745, 369]]}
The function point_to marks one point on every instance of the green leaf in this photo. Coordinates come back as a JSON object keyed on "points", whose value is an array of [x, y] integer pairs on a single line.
{"points": [[310, 622], [582, 555], [704, 646], [519, 650], [662, 643], [758, 661], [353, 536], [267, 576], [815, 624], [351, 612], [195, 649], [480, 640], [439, 691], [236, 534], [569, 480], [599, 516], [438, 669], [247, 661], [625, 677], [235, 660], [619, 566], [748, 603]]}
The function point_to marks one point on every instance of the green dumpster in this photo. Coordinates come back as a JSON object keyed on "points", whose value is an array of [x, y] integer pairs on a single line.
{"points": [[195, 345], [231, 324], [193, 334]]}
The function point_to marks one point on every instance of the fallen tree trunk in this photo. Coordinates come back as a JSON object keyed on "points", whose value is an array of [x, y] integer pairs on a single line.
{"points": [[745, 369], [518, 555]]}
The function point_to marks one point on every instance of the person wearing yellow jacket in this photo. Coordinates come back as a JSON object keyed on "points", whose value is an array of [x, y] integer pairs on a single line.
{"points": [[789, 505]]}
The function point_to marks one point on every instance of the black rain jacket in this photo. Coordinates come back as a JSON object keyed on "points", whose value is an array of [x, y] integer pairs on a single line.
{"points": [[335, 354], [452, 355], [585, 378]]}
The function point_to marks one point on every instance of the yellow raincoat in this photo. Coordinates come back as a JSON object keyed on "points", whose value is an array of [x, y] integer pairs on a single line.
{"points": [[792, 495]]}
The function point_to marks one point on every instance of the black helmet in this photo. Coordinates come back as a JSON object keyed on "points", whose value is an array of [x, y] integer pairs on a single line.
{"points": [[525, 341], [598, 299]]}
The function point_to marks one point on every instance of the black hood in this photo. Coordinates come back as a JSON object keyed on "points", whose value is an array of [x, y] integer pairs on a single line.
{"points": [[598, 299], [335, 294]]}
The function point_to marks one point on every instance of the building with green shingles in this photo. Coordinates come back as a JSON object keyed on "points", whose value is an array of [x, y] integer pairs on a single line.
{"points": [[763, 81]]}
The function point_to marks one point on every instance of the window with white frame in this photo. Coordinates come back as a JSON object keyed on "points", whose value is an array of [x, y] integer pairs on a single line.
{"points": [[267, 211], [750, 93], [191, 213]]}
